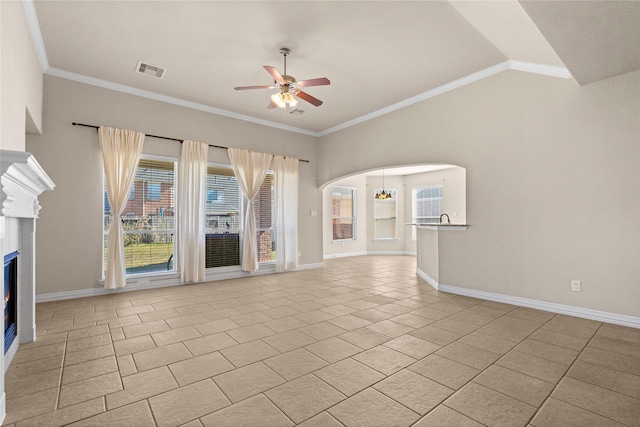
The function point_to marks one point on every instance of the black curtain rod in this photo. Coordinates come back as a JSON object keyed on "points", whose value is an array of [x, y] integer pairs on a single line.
{"points": [[164, 137]]}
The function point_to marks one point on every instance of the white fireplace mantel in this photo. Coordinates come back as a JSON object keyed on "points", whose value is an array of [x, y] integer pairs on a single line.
{"points": [[23, 180]]}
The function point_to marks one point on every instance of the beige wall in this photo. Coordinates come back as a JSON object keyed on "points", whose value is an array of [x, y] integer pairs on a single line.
{"points": [[20, 79], [553, 183], [69, 237]]}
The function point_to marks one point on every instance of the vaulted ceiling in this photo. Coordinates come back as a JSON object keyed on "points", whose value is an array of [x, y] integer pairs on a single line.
{"points": [[379, 55]]}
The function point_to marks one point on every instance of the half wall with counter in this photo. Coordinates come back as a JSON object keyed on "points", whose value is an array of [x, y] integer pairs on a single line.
{"points": [[427, 249]]}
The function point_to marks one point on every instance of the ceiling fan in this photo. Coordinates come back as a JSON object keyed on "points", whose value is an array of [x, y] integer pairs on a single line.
{"points": [[289, 87]]}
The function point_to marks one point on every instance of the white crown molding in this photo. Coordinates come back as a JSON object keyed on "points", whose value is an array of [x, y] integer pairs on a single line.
{"points": [[22, 180], [169, 99], [36, 35], [542, 69], [487, 72], [529, 67]]}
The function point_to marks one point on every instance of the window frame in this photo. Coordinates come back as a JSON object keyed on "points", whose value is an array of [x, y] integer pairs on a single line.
{"points": [[272, 214], [242, 206], [353, 217], [169, 232], [414, 191], [393, 199]]}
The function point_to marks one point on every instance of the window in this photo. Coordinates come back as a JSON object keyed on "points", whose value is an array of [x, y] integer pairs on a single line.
{"points": [[264, 208], [148, 219], [344, 213], [385, 213], [224, 222], [149, 226], [154, 191], [215, 196], [426, 206]]}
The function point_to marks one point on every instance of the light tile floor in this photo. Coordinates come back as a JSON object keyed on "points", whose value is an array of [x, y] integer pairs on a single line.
{"points": [[360, 342]]}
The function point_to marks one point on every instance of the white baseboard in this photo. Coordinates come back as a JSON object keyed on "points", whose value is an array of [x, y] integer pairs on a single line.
{"points": [[164, 281], [344, 255], [3, 406], [427, 278], [311, 266], [393, 253], [83, 293], [585, 313], [10, 354], [350, 254]]}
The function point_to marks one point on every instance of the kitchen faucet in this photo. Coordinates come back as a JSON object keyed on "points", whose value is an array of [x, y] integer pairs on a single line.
{"points": [[448, 220]]}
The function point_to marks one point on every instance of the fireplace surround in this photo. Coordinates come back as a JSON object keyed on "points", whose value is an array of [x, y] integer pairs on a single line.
{"points": [[22, 180], [10, 299]]}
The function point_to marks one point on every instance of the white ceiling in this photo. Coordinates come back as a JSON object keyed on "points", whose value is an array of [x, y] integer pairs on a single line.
{"points": [[379, 55]]}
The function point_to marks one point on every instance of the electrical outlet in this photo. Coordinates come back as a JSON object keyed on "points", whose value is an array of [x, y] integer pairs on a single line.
{"points": [[576, 285], [143, 281]]}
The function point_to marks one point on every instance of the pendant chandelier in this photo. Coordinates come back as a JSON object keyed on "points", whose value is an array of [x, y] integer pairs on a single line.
{"points": [[383, 195]]}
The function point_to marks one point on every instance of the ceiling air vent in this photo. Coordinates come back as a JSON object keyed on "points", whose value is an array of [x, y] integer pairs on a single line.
{"points": [[150, 70], [297, 112]]}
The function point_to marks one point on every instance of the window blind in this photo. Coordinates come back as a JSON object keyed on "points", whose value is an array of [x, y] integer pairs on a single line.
{"points": [[223, 220], [148, 218]]}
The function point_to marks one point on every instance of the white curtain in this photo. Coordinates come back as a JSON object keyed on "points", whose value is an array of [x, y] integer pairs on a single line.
{"points": [[286, 189], [121, 150], [250, 169], [192, 186]]}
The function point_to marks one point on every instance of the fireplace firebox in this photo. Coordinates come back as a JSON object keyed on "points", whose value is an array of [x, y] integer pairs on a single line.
{"points": [[10, 299]]}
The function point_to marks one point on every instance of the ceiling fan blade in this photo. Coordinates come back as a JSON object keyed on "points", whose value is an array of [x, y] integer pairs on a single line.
{"points": [[274, 73], [271, 105], [310, 99], [254, 87], [314, 82]]}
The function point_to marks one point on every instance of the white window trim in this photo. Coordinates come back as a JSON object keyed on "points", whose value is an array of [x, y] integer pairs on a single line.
{"points": [[354, 208], [386, 239]]}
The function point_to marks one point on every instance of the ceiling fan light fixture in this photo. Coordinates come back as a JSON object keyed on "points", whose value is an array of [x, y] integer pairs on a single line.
{"points": [[282, 99]]}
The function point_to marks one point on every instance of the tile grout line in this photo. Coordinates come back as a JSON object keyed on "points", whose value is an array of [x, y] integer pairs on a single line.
{"points": [[492, 364], [326, 292], [557, 384]]}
